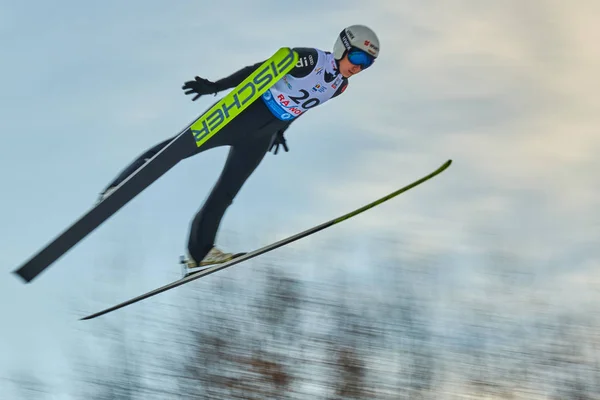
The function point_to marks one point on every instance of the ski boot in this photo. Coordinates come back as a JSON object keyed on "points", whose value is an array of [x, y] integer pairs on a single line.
{"points": [[214, 256]]}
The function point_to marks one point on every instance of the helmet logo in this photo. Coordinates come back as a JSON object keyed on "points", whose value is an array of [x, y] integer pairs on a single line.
{"points": [[346, 42], [372, 48]]}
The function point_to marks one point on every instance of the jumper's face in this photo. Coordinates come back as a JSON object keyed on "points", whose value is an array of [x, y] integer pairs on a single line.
{"points": [[347, 69], [355, 60]]}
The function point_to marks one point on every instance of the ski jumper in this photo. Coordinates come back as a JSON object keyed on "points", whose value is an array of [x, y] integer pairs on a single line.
{"points": [[314, 80]]}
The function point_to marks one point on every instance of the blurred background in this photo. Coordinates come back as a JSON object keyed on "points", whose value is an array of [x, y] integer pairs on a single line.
{"points": [[481, 283]]}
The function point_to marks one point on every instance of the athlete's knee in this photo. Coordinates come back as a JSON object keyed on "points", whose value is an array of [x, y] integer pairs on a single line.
{"points": [[229, 197], [222, 196]]}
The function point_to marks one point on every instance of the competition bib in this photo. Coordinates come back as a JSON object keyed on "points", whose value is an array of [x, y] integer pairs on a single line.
{"points": [[290, 97]]}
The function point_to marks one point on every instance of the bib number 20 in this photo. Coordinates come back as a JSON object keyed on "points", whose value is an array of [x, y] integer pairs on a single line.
{"points": [[308, 103]]}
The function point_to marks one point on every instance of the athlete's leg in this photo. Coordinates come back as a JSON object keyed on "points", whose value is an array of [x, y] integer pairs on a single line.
{"points": [[242, 160], [253, 118]]}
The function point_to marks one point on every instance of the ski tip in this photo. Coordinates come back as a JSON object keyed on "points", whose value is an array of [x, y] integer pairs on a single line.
{"points": [[444, 166]]}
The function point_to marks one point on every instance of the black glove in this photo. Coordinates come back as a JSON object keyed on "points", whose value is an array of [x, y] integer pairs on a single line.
{"points": [[279, 140], [200, 86]]}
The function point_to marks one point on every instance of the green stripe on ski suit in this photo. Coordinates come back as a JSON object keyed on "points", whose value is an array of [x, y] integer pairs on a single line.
{"points": [[393, 194], [251, 88]]}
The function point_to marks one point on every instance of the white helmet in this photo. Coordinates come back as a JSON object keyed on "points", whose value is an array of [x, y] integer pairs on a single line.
{"points": [[358, 36]]}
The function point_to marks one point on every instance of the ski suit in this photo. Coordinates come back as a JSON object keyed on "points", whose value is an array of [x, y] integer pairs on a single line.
{"points": [[314, 80]]}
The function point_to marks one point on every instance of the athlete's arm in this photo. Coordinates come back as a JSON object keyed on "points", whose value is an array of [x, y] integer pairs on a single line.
{"points": [[236, 78], [307, 58]]}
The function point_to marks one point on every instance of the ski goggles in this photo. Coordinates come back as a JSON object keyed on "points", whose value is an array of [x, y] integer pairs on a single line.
{"points": [[360, 58]]}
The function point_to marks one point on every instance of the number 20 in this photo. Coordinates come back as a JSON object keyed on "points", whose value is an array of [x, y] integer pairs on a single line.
{"points": [[308, 103]]}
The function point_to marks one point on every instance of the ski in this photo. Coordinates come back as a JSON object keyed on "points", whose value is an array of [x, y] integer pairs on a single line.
{"points": [[270, 247], [195, 134]]}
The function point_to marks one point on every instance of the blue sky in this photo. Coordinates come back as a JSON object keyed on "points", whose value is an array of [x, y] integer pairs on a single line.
{"points": [[507, 90]]}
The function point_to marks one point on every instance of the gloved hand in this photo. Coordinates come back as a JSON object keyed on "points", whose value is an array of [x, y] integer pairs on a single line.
{"points": [[200, 86], [278, 140]]}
